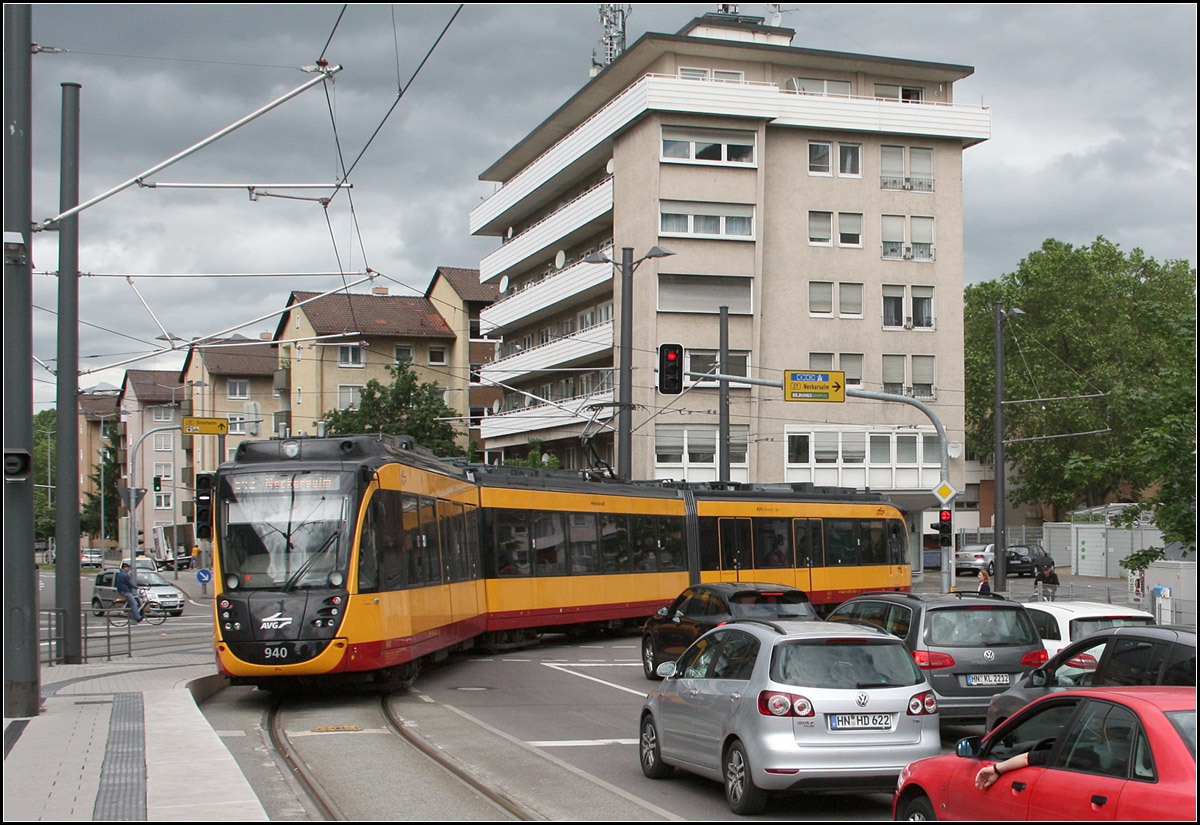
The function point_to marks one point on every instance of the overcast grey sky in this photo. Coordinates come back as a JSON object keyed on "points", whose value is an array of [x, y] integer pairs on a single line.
{"points": [[1093, 133]]}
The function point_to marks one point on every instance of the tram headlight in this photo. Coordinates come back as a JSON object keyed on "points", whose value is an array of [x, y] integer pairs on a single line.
{"points": [[336, 578], [231, 581]]}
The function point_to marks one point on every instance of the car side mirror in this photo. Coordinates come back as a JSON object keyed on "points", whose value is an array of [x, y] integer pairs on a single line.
{"points": [[1039, 678], [666, 670], [970, 747]]}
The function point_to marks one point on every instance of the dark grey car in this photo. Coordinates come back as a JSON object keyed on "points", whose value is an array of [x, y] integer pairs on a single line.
{"points": [[969, 648], [1118, 656]]}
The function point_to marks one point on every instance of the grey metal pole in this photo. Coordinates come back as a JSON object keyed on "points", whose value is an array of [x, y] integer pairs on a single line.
{"points": [[66, 511], [998, 541], [723, 403], [625, 392], [22, 675]]}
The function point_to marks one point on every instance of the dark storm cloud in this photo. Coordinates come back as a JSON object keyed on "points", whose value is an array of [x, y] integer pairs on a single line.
{"points": [[1093, 113]]}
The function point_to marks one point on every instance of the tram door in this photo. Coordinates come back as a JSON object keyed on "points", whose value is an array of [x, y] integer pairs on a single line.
{"points": [[809, 551], [737, 561]]}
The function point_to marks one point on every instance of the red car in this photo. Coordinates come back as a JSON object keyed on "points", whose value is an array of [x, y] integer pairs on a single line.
{"points": [[1126, 753]]}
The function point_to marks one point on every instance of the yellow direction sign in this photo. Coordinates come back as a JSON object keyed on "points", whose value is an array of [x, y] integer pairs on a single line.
{"points": [[205, 426], [814, 385]]}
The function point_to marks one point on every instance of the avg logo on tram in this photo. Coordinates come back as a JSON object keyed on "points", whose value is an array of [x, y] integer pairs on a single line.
{"points": [[670, 369]]}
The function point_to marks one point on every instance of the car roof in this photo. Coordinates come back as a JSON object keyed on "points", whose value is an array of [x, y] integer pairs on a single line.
{"points": [[786, 629], [1169, 633], [935, 599], [1160, 696], [1083, 610], [741, 587]]}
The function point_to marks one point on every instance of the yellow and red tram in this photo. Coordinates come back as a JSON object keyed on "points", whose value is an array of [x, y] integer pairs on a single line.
{"points": [[360, 556]]}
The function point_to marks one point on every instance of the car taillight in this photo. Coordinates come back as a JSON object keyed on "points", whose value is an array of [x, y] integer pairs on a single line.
{"points": [[928, 660], [1035, 658], [923, 704], [1083, 661], [778, 703]]}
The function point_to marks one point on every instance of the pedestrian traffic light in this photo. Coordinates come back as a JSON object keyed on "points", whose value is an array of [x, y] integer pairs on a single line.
{"points": [[946, 528], [670, 369], [204, 510], [158, 484]]}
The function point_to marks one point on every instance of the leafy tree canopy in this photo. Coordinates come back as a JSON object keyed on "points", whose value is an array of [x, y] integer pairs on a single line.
{"points": [[405, 407], [1099, 322]]}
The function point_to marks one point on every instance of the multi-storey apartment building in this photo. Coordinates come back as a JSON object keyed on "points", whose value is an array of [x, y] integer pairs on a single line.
{"points": [[331, 346], [816, 194], [99, 417]]}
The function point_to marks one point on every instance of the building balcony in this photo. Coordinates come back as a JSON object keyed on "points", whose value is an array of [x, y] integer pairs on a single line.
{"points": [[570, 285], [576, 411], [766, 101], [570, 349], [575, 221]]}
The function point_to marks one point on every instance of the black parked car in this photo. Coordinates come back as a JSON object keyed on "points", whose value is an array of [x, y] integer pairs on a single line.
{"points": [[1025, 559], [702, 607]]}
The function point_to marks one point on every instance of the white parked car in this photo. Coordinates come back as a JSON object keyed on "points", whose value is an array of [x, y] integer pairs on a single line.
{"points": [[1060, 623]]}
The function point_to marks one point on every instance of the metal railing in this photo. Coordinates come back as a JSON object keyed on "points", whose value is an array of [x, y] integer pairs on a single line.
{"points": [[101, 640]]}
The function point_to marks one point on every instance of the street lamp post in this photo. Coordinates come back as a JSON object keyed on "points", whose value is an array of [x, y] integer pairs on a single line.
{"points": [[174, 498], [625, 364], [999, 541]]}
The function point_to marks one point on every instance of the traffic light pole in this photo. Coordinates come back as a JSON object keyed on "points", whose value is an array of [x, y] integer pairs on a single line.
{"points": [[133, 531]]}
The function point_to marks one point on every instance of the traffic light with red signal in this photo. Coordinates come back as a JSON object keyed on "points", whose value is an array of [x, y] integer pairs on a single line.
{"points": [[670, 369]]}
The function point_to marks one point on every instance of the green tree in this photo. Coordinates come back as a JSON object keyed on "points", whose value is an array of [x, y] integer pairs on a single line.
{"points": [[1099, 322], [533, 458], [405, 407], [44, 471], [89, 516]]}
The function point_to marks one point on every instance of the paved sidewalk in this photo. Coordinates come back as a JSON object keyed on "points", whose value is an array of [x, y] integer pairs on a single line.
{"points": [[125, 740]]}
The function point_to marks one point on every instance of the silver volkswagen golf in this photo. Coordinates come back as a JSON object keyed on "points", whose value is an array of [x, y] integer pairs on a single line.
{"points": [[789, 706]]}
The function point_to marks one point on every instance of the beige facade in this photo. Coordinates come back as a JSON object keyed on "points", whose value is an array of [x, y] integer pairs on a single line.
{"points": [[816, 194]]}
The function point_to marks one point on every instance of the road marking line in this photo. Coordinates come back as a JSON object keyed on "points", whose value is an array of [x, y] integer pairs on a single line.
{"points": [[563, 669]]}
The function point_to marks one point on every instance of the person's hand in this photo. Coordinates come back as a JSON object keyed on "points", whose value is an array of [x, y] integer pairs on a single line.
{"points": [[986, 777]]}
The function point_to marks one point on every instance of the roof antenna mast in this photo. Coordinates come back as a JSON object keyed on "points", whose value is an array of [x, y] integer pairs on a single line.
{"points": [[612, 42]]}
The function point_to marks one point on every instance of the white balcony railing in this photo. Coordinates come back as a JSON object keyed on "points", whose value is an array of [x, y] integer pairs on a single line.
{"points": [[541, 416], [969, 123], [544, 296], [570, 348]]}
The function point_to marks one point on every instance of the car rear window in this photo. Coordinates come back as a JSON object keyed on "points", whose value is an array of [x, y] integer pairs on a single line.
{"points": [[844, 663], [1082, 627], [1185, 722], [974, 625], [766, 604]]}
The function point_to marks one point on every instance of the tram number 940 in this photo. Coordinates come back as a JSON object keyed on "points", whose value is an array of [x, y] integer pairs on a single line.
{"points": [[280, 652]]}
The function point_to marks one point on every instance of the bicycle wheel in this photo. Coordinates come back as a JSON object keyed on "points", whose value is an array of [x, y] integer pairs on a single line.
{"points": [[153, 613], [118, 615]]}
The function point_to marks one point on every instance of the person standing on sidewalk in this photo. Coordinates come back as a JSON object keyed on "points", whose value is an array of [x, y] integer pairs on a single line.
{"points": [[124, 585]]}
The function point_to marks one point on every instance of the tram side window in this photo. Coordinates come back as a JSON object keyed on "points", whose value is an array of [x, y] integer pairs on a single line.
{"points": [[614, 543], [512, 543], [585, 544], [549, 544], [735, 544], [471, 522], [369, 546], [897, 542], [841, 542], [672, 549], [772, 543], [420, 519], [809, 550], [454, 555], [872, 541], [644, 543]]}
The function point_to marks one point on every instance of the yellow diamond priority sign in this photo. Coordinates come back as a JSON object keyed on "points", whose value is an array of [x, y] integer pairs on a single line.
{"points": [[945, 491], [205, 426]]}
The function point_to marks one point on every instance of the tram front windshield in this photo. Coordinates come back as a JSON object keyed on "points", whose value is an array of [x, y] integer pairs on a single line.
{"points": [[284, 530]]}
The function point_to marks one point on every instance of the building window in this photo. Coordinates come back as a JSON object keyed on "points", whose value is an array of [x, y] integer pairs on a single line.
{"points": [[856, 448], [162, 501], [164, 414], [849, 229], [920, 238], [437, 357], [893, 306], [237, 424], [349, 396], [695, 73], [696, 444], [403, 353], [922, 376], [350, 356], [707, 146], [164, 442], [821, 361], [905, 94], [237, 388], [920, 372], [893, 374], [852, 365], [921, 232], [850, 300], [705, 293], [701, 360], [707, 220], [820, 298], [819, 157], [820, 86], [919, 314], [918, 177], [164, 470], [922, 307], [850, 160], [820, 228]]}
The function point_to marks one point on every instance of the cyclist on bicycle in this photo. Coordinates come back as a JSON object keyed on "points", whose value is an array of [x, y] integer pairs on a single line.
{"points": [[124, 585]]}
